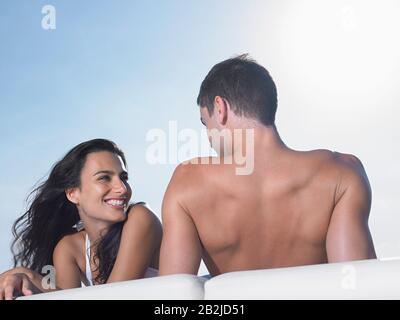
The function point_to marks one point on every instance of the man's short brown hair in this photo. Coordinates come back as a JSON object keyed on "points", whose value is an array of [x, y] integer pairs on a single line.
{"points": [[246, 85]]}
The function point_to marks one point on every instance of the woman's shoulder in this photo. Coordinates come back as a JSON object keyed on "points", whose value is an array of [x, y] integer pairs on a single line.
{"points": [[138, 208], [136, 205], [141, 213], [70, 244]]}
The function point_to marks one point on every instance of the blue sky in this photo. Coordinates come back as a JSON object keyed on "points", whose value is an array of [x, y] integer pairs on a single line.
{"points": [[116, 69], [112, 69]]}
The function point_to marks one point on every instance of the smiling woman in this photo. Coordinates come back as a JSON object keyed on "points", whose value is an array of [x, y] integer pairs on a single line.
{"points": [[81, 222]]}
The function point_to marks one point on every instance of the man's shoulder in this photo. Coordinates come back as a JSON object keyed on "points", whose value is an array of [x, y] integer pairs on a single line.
{"points": [[341, 171], [192, 176], [336, 159], [347, 163], [351, 173], [195, 167], [343, 168]]}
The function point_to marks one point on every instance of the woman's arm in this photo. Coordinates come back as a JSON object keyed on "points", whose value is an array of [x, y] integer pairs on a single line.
{"points": [[16, 270], [19, 281], [24, 281], [17, 284], [140, 241]]}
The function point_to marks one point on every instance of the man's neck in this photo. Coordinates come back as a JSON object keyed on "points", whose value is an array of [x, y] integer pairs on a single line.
{"points": [[268, 139], [264, 141]]}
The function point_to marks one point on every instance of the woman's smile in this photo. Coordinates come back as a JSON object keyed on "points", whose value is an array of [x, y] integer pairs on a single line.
{"points": [[117, 203]]}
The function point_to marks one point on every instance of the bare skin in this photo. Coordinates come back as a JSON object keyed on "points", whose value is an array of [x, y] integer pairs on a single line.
{"points": [[19, 281], [102, 178], [296, 208], [141, 234]]}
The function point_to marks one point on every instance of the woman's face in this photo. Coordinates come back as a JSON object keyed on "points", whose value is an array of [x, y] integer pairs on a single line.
{"points": [[104, 193]]}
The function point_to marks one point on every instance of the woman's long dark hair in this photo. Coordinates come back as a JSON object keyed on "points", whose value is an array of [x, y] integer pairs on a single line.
{"points": [[51, 215]]}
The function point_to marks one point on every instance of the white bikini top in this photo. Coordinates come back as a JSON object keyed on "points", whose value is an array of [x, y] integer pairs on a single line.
{"points": [[88, 270]]}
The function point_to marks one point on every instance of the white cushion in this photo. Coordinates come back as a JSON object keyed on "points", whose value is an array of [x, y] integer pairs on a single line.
{"points": [[174, 287], [366, 279]]}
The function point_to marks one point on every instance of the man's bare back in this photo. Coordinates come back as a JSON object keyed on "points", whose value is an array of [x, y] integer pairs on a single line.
{"points": [[278, 216], [294, 208]]}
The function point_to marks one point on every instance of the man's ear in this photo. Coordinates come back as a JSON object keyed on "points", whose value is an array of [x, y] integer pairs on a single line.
{"points": [[72, 195], [221, 107]]}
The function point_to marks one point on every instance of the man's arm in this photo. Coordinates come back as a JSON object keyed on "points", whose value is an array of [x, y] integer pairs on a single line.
{"points": [[180, 247], [348, 235]]}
